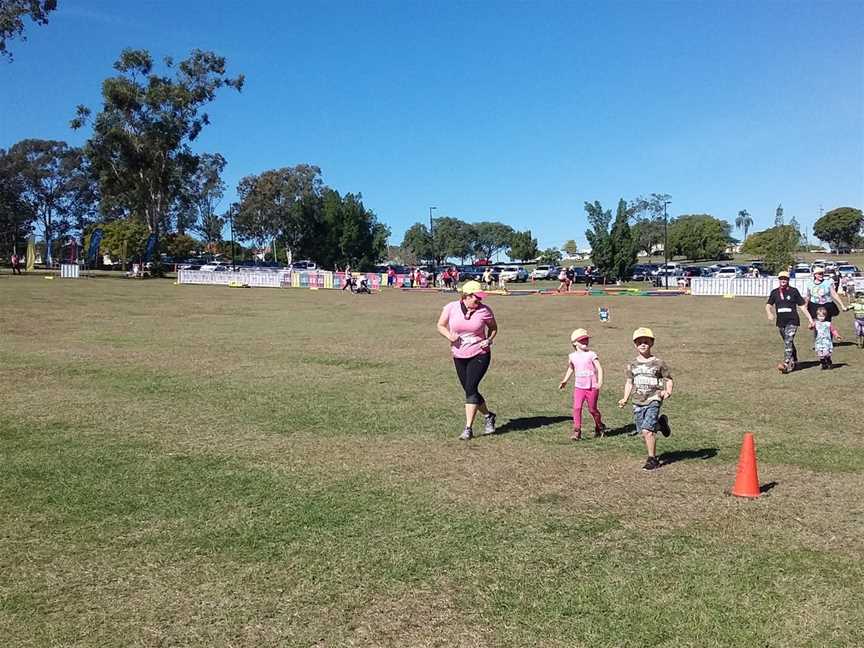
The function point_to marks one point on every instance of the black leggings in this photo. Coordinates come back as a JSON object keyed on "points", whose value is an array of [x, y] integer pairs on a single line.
{"points": [[471, 372]]}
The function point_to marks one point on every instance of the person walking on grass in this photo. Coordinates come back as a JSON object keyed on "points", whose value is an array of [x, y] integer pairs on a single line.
{"points": [[782, 306], [649, 381], [820, 291], [585, 366], [825, 336], [469, 325], [858, 311]]}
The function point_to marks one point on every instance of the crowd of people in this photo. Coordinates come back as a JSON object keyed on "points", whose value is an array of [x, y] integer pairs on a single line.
{"points": [[470, 327]]}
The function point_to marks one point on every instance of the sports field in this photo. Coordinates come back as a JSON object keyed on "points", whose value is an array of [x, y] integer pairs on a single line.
{"points": [[200, 466]]}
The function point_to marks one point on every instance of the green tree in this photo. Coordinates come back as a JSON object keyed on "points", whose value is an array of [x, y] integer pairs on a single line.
{"points": [[140, 146], [180, 246], [16, 214], [840, 227], [647, 235], [570, 247], [12, 14], [650, 207], [699, 236], [348, 233], [201, 192], [623, 247], [491, 238], [418, 242], [550, 256], [452, 238], [598, 237], [776, 246], [744, 222], [280, 203], [56, 184], [523, 246], [122, 239]]}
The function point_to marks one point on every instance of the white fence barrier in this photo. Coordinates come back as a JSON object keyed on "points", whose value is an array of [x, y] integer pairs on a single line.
{"points": [[69, 271], [741, 287], [254, 279]]}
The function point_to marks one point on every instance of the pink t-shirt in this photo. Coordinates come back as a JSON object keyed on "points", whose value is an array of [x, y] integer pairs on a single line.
{"points": [[470, 326], [584, 370]]}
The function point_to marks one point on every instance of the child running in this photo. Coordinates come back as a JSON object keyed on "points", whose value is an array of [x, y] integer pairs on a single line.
{"points": [[858, 308], [649, 380], [583, 363], [825, 336]]}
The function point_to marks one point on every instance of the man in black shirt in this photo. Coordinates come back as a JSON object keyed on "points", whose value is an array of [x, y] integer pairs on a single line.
{"points": [[785, 299]]}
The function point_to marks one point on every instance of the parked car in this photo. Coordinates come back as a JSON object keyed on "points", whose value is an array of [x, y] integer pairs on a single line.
{"points": [[304, 265], [847, 270], [514, 273], [545, 272], [644, 271], [800, 272], [729, 272]]}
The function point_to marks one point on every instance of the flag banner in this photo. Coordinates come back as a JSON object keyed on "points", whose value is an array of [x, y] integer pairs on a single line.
{"points": [[149, 247], [31, 254], [95, 241]]}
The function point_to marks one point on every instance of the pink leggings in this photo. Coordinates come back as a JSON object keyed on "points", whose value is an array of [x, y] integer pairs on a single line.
{"points": [[580, 396]]}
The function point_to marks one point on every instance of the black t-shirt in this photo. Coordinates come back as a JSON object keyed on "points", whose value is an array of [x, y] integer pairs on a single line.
{"points": [[786, 304]]}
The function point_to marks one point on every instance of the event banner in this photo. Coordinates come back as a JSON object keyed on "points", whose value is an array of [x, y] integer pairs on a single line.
{"points": [[149, 247], [95, 241]]}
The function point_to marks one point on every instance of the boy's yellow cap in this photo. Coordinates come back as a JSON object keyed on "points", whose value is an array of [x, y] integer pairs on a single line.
{"points": [[578, 334], [643, 332]]}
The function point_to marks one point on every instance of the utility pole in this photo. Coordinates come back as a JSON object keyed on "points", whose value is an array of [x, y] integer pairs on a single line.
{"points": [[432, 235], [666, 244]]}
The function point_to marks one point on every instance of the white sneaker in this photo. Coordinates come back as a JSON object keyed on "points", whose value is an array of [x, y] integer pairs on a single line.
{"points": [[489, 424], [467, 434]]}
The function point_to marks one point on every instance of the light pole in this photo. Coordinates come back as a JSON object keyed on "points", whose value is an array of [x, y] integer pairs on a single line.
{"points": [[231, 216], [666, 244], [432, 235]]}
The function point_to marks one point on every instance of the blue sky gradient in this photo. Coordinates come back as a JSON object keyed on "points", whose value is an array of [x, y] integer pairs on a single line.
{"points": [[517, 112]]}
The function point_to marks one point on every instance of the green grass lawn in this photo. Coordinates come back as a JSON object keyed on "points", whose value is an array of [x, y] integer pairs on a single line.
{"points": [[202, 466]]}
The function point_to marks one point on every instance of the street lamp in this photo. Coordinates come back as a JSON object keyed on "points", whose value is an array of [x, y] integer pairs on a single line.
{"points": [[666, 244], [432, 235], [231, 210]]}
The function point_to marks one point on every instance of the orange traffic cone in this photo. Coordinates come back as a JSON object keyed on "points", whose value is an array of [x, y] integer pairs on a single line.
{"points": [[747, 479]]}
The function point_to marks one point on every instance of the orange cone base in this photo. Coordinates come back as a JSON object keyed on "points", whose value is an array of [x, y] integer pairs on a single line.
{"points": [[747, 479]]}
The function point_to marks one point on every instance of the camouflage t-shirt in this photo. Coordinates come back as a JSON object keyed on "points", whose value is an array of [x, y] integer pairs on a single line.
{"points": [[649, 379]]}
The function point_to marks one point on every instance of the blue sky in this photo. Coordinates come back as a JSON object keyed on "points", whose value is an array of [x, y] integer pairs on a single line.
{"points": [[517, 112]]}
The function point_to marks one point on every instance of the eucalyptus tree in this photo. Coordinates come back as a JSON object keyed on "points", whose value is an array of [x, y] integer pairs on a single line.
{"points": [[140, 145], [12, 14]]}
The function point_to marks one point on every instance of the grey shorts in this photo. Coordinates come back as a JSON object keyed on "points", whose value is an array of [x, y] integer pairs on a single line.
{"points": [[646, 416]]}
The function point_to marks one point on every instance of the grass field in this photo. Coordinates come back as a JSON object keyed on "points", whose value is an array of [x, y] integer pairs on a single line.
{"points": [[196, 466]]}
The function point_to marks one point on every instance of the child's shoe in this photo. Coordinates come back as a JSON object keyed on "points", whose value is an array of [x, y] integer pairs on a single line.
{"points": [[467, 434], [651, 464], [663, 426], [577, 435], [781, 367]]}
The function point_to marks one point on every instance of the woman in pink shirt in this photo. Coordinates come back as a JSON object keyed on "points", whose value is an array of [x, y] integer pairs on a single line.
{"points": [[470, 327], [584, 365]]}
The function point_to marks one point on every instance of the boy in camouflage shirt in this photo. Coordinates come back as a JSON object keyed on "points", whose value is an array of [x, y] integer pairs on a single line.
{"points": [[649, 381]]}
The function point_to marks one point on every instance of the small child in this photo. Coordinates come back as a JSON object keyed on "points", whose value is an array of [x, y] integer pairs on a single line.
{"points": [[825, 336], [649, 380], [858, 308], [584, 364]]}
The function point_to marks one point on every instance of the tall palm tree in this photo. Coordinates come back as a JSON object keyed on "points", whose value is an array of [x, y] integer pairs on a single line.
{"points": [[744, 221]]}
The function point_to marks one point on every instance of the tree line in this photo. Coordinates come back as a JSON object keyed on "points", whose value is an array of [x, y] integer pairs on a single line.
{"points": [[137, 173]]}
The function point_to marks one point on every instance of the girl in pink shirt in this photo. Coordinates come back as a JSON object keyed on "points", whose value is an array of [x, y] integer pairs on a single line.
{"points": [[584, 365]]}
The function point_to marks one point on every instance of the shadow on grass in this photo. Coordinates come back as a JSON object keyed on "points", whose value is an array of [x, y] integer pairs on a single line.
{"points": [[808, 364], [683, 455], [764, 488], [630, 428], [530, 423], [845, 343]]}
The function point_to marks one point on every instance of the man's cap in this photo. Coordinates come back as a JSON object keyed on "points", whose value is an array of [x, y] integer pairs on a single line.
{"points": [[579, 334], [783, 275], [643, 332], [473, 288]]}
